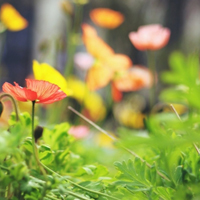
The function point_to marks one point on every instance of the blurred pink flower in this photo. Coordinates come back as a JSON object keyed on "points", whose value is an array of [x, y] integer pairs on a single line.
{"points": [[79, 132], [150, 37], [83, 60]]}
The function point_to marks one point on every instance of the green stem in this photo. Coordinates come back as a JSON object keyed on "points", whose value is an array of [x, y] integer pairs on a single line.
{"points": [[4, 168], [35, 150], [13, 102], [77, 185], [50, 197], [76, 195], [152, 67]]}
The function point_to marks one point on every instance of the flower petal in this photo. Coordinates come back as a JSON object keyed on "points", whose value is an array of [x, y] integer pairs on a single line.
{"points": [[46, 72], [150, 37], [106, 18], [46, 92], [118, 62], [98, 76], [11, 18], [134, 79], [16, 91], [94, 44]]}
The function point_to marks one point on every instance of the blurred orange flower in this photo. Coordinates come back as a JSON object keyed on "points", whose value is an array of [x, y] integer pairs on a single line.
{"points": [[135, 78], [11, 18], [107, 63], [106, 17], [150, 37], [94, 44]]}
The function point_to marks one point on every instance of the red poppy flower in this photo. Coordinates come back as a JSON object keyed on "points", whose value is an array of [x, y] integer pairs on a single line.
{"points": [[38, 91]]}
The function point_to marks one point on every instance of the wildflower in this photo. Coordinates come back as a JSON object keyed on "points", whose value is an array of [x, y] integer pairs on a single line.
{"points": [[46, 72], [94, 44], [36, 91], [79, 132], [150, 37], [136, 78], [106, 18], [107, 62], [83, 60], [93, 105], [11, 18]]}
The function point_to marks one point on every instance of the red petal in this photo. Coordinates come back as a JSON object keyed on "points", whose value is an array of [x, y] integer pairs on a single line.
{"points": [[30, 95], [46, 92], [116, 94], [16, 91]]}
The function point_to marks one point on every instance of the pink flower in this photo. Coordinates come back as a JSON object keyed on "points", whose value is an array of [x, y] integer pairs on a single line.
{"points": [[150, 37], [79, 132], [83, 60]]}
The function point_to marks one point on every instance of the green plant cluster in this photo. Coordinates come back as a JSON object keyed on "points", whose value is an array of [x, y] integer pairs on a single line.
{"points": [[161, 162]]}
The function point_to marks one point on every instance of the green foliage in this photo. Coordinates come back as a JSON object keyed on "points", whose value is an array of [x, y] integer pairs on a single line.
{"points": [[184, 76], [161, 162]]}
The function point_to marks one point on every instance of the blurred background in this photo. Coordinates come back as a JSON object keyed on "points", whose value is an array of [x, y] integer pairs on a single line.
{"points": [[48, 24], [49, 38]]}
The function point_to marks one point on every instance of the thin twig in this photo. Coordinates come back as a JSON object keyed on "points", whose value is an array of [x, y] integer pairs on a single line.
{"points": [[105, 132], [92, 123], [172, 107]]}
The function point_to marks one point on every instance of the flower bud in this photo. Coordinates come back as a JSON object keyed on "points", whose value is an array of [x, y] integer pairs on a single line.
{"points": [[38, 133], [1, 108], [67, 7]]}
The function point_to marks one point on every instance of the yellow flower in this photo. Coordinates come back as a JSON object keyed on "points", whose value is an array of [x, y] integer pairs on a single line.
{"points": [[11, 18], [103, 140], [91, 101], [94, 103], [45, 72], [78, 88]]}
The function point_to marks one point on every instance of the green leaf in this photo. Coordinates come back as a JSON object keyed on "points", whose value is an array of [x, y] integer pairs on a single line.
{"points": [[134, 172], [46, 157], [164, 193], [57, 138], [178, 174]]}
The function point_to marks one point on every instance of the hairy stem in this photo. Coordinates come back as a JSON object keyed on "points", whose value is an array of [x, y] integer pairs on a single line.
{"points": [[13, 102]]}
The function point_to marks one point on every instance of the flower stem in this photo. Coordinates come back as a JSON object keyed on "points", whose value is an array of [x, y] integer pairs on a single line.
{"points": [[13, 102], [152, 67], [35, 150]]}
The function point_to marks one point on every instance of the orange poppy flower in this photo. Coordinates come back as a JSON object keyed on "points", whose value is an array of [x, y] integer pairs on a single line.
{"points": [[11, 18], [106, 17], [107, 62], [133, 79], [150, 37], [94, 44], [38, 91]]}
